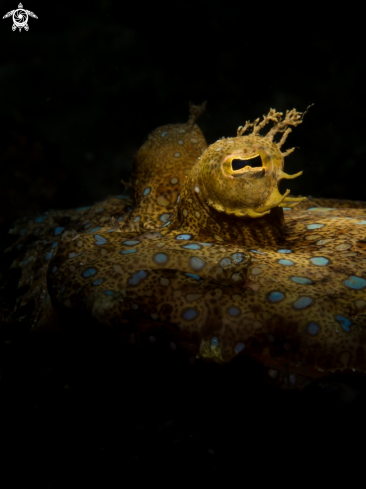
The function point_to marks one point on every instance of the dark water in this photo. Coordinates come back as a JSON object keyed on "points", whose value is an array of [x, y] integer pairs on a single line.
{"points": [[79, 93]]}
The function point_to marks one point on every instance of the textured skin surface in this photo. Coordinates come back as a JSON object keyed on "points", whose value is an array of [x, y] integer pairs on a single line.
{"points": [[210, 257]]}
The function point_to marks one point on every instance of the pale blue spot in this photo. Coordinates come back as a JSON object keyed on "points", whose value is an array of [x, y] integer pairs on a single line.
{"points": [[287, 208], [238, 257], [19, 246], [276, 296], [147, 191], [239, 347], [163, 134], [206, 244], [196, 263], [302, 302], [130, 242], [234, 311], [285, 262], [344, 322], [87, 225], [284, 251], [127, 252], [192, 246], [314, 226], [94, 230], [214, 342], [100, 240], [225, 262], [28, 260], [184, 236], [320, 261], [89, 272], [109, 292], [137, 277], [48, 256], [58, 230], [164, 217], [53, 269], [120, 218], [321, 209], [192, 275], [80, 209], [302, 280], [361, 222], [166, 224], [354, 282], [189, 314], [73, 254], [100, 209], [259, 252], [54, 244], [98, 281], [161, 258], [110, 230], [313, 329], [22, 232], [40, 218], [122, 197], [137, 219]]}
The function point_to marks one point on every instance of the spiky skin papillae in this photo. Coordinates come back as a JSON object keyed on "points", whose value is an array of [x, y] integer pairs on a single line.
{"points": [[209, 256]]}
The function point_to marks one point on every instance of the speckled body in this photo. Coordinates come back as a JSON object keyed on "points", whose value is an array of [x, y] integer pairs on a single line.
{"points": [[213, 259]]}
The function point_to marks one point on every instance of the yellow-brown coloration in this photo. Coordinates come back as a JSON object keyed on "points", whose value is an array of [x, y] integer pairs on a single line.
{"points": [[207, 257]]}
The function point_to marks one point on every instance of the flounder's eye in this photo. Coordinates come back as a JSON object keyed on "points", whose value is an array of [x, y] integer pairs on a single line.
{"points": [[253, 162]]}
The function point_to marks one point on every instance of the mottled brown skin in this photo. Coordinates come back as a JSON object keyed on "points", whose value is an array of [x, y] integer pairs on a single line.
{"points": [[207, 258]]}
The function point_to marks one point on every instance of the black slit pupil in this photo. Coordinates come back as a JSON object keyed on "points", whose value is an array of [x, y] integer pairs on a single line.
{"points": [[254, 163]]}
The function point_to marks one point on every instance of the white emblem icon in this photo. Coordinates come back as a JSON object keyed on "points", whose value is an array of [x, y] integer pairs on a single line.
{"points": [[20, 17]]}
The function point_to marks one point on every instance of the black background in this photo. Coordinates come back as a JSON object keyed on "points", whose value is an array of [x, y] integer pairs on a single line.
{"points": [[79, 93]]}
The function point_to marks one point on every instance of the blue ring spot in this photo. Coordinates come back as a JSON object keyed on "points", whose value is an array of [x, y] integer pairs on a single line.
{"points": [[137, 277], [344, 322], [80, 209], [164, 217], [314, 226], [302, 280], [189, 314], [161, 258], [147, 191], [130, 242], [276, 296], [354, 282], [284, 251], [302, 302], [313, 329], [58, 230], [320, 261], [192, 246], [184, 236], [214, 342], [127, 252], [239, 347], [225, 262], [192, 275], [163, 134], [196, 263], [137, 219], [234, 311], [89, 272], [238, 257], [98, 281], [100, 240], [285, 262], [40, 218]]}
